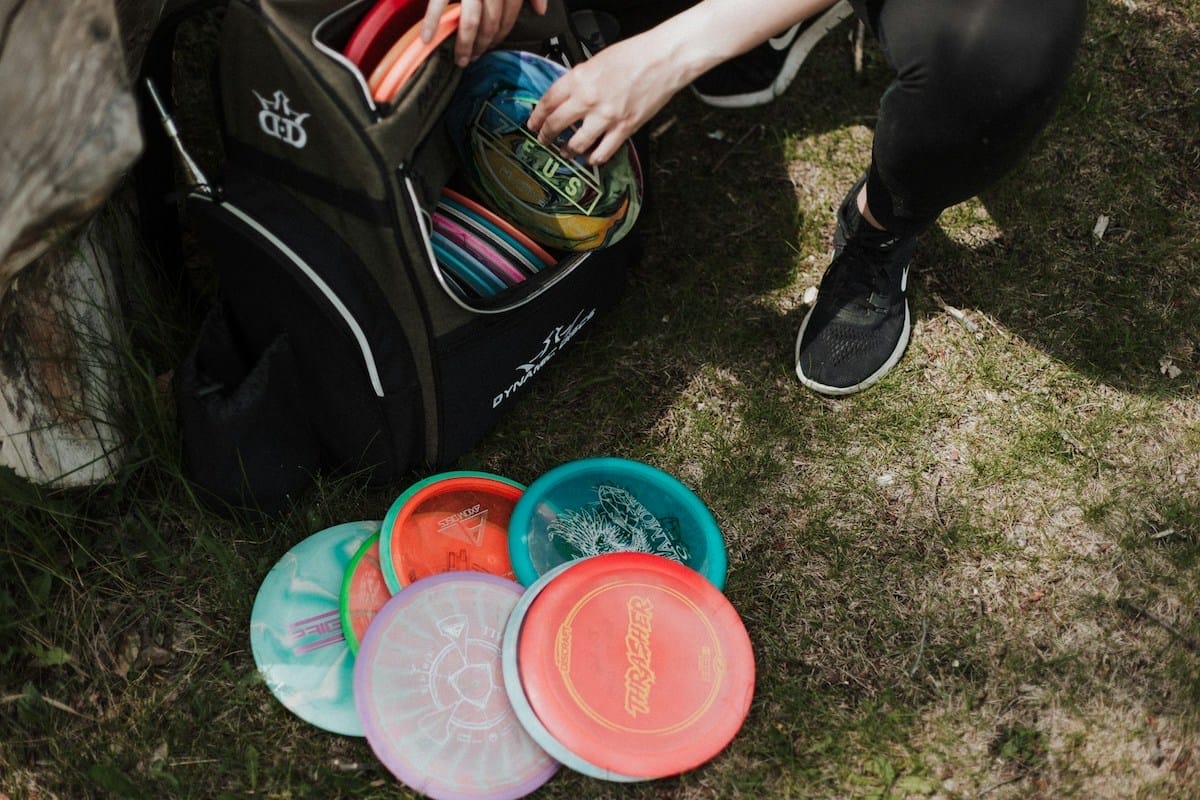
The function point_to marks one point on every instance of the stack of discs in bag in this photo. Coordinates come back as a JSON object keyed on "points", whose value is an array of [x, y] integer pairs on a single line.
{"points": [[563, 202], [387, 47], [481, 253]]}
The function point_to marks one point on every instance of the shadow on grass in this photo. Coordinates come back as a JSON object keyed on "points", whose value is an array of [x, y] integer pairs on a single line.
{"points": [[700, 325], [727, 240], [1098, 260]]}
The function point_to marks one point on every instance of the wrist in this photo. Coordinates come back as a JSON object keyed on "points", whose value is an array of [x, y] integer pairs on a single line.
{"points": [[677, 53]]}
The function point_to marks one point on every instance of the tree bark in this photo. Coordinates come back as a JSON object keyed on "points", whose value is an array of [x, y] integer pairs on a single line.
{"points": [[69, 132], [60, 354]]}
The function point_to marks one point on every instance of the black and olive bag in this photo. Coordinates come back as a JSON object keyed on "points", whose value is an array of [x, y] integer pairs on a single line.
{"points": [[334, 343]]}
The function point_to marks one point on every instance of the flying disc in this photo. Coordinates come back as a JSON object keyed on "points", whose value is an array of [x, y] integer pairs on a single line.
{"points": [[379, 28], [523, 259], [500, 224], [636, 664], [465, 266], [520, 703], [364, 591], [428, 686], [413, 54], [487, 255], [602, 505], [296, 630], [401, 45], [448, 522], [563, 202]]}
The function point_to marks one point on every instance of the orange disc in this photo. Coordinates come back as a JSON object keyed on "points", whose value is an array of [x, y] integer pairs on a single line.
{"points": [[380, 26], [413, 54], [455, 523], [379, 73]]}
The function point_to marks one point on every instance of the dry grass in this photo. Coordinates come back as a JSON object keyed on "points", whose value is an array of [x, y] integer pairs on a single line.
{"points": [[976, 580]]}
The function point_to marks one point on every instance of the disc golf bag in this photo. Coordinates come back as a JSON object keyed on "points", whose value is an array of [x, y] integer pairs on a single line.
{"points": [[333, 345]]}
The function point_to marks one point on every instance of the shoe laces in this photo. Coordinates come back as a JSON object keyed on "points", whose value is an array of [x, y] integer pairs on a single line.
{"points": [[863, 276]]}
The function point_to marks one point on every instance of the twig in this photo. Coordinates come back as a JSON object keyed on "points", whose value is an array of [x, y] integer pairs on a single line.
{"points": [[659, 130], [937, 511], [735, 146], [958, 314], [860, 33], [912, 673], [1130, 607], [996, 786], [50, 701]]}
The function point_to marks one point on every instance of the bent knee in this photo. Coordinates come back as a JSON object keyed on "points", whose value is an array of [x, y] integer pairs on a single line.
{"points": [[998, 58]]}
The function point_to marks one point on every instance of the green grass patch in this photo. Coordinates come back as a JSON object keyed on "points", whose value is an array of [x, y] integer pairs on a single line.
{"points": [[977, 579]]}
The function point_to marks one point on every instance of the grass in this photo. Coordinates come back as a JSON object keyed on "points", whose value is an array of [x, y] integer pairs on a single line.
{"points": [[977, 579]]}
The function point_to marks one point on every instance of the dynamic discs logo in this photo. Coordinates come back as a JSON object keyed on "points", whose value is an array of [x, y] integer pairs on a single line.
{"points": [[278, 120], [556, 340], [639, 675]]}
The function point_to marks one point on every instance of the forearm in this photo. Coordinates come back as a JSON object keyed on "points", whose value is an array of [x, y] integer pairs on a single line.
{"points": [[713, 31]]}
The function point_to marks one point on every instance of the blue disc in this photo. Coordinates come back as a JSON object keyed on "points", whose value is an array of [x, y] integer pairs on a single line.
{"points": [[594, 506], [562, 202]]}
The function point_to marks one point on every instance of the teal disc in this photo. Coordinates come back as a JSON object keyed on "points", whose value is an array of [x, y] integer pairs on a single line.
{"points": [[296, 629]]}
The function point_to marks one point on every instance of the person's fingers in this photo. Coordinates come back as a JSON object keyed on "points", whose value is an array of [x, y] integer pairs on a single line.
{"points": [[468, 29], [556, 122], [540, 6], [585, 136], [509, 18], [489, 27], [433, 12], [561, 106], [550, 100], [613, 141]]}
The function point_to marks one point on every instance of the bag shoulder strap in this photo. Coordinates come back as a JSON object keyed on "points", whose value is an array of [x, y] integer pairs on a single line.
{"points": [[154, 174]]}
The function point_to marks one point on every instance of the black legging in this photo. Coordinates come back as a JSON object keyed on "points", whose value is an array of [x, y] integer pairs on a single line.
{"points": [[976, 80]]}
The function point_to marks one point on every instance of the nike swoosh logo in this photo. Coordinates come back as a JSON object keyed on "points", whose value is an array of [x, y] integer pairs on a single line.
{"points": [[784, 40]]}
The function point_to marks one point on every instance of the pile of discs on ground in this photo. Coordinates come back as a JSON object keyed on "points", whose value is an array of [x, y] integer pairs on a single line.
{"points": [[485, 633]]}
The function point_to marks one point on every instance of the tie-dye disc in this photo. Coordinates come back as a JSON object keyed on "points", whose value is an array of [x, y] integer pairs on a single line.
{"points": [[429, 687], [562, 202], [296, 629]]}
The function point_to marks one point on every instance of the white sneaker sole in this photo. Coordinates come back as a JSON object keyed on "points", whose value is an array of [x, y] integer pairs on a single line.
{"points": [[840, 391], [799, 51]]}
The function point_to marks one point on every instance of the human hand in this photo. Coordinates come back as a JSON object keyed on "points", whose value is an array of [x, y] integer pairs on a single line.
{"points": [[609, 96], [483, 23]]}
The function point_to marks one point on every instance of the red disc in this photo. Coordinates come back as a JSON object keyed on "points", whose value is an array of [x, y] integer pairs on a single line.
{"points": [[364, 591], [379, 29], [637, 664], [457, 523]]}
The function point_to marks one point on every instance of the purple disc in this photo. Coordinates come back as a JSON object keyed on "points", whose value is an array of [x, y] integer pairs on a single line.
{"points": [[429, 689]]}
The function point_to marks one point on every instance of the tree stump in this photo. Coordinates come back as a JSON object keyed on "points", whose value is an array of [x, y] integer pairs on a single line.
{"points": [[69, 132]]}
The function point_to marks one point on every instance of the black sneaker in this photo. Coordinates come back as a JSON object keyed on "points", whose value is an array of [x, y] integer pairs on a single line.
{"points": [[595, 30], [762, 74], [859, 325]]}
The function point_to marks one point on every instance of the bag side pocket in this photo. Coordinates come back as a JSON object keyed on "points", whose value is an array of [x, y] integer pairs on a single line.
{"points": [[247, 443]]}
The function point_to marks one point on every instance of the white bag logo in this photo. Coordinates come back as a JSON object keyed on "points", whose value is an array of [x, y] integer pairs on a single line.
{"points": [[278, 120]]}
